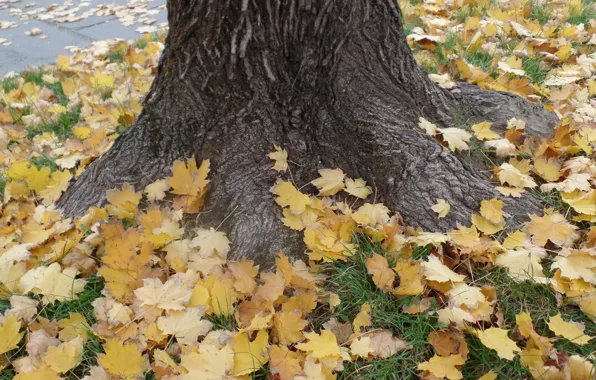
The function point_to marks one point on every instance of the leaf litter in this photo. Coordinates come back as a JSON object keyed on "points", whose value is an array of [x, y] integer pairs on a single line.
{"points": [[174, 305]]}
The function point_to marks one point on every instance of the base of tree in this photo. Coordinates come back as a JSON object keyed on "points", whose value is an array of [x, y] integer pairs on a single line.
{"points": [[331, 101]]}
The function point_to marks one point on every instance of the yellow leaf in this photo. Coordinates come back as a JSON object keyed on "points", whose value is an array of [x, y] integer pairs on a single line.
{"points": [[497, 339], [186, 325], [44, 373], [573, 331], [429, 127], [211, 242], [548, 169], [212, 363], [357, 188], [465, 236], [186, 179], [482, 131], [372, 214], [442, 367], [284, 362], [361, 346], [492, 210], [486, 226], [514, 177], [9, 334], [582, 202], [320, 346], [442, 208], [63, 62], [244, 273], [156, 191], [288, 195], [72, 327], [382, 275], [490, 375], [289, 326], [57, 109], [123, 203], [456, 138], [280, 157], [124, 360], [410, 278], [551, 227], [103, 81], [64, 357], [250, 356], [435, 270], [330, 182], [171, 295], [363, 318]]}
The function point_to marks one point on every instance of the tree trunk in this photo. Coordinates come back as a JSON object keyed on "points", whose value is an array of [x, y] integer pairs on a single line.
{"points": [[332, 81]]}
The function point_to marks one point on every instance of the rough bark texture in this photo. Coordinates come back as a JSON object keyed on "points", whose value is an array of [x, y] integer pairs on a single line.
{"points": [[332, 81]]}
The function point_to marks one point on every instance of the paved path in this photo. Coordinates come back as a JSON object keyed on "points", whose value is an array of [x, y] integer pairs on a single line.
{"points": [[68, 23]]}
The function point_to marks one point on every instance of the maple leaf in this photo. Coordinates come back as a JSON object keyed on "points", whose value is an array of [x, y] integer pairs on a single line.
{"points": [[284, 363], [54, 283], [312, 371], [573, 331], [190, 182], [435, 270], [280, 157], [320, 345], [385, 344], [171, 295], [410, 278], [9, 334], [186, 325], [497, 339], [250, 356], [24, 308], [244, 273], [511, 175], [330, 182], [455, 138], [522, 263], [123, 203], [211, 242], [357, 188], [363, 318], [156, 191], [64, 357], [492, 210], [210, 363], [44, 372], [429, 127], [486, 226], [442, 208], [442, 367], [288, 195], [482, 131], [553, 227], [372, 214], [124, 360], [361, 346], [289, 326], [383, 276]]}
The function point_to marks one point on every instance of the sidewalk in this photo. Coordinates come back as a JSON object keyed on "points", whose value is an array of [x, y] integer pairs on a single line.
{"points": [[35, 33]]}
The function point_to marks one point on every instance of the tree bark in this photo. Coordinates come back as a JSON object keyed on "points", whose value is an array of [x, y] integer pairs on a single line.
{"points": [[332, 81]]}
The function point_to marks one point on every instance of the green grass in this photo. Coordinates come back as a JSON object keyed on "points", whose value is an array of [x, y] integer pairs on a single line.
{"points": [[141, 43], [582, 15], [62, 127], [9, 84], [3, 181], [44, 160], [540, 12], [115, 56], [535, 69], [552, 200], [351, 282], [480, 58], [447, 48], [222, 322]]}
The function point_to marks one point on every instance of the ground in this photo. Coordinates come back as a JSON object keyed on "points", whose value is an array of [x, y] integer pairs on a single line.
{"points": [[128, 291]]}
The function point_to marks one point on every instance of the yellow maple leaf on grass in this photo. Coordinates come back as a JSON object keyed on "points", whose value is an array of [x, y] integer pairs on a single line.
{"points": [[124, 360], [320, 346], [383, 276], [64, 357], [363, 318], [573, 331], [442, 367], [250, 356], [186, 325], [171, 295], [497, 339], [9, 334]]}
